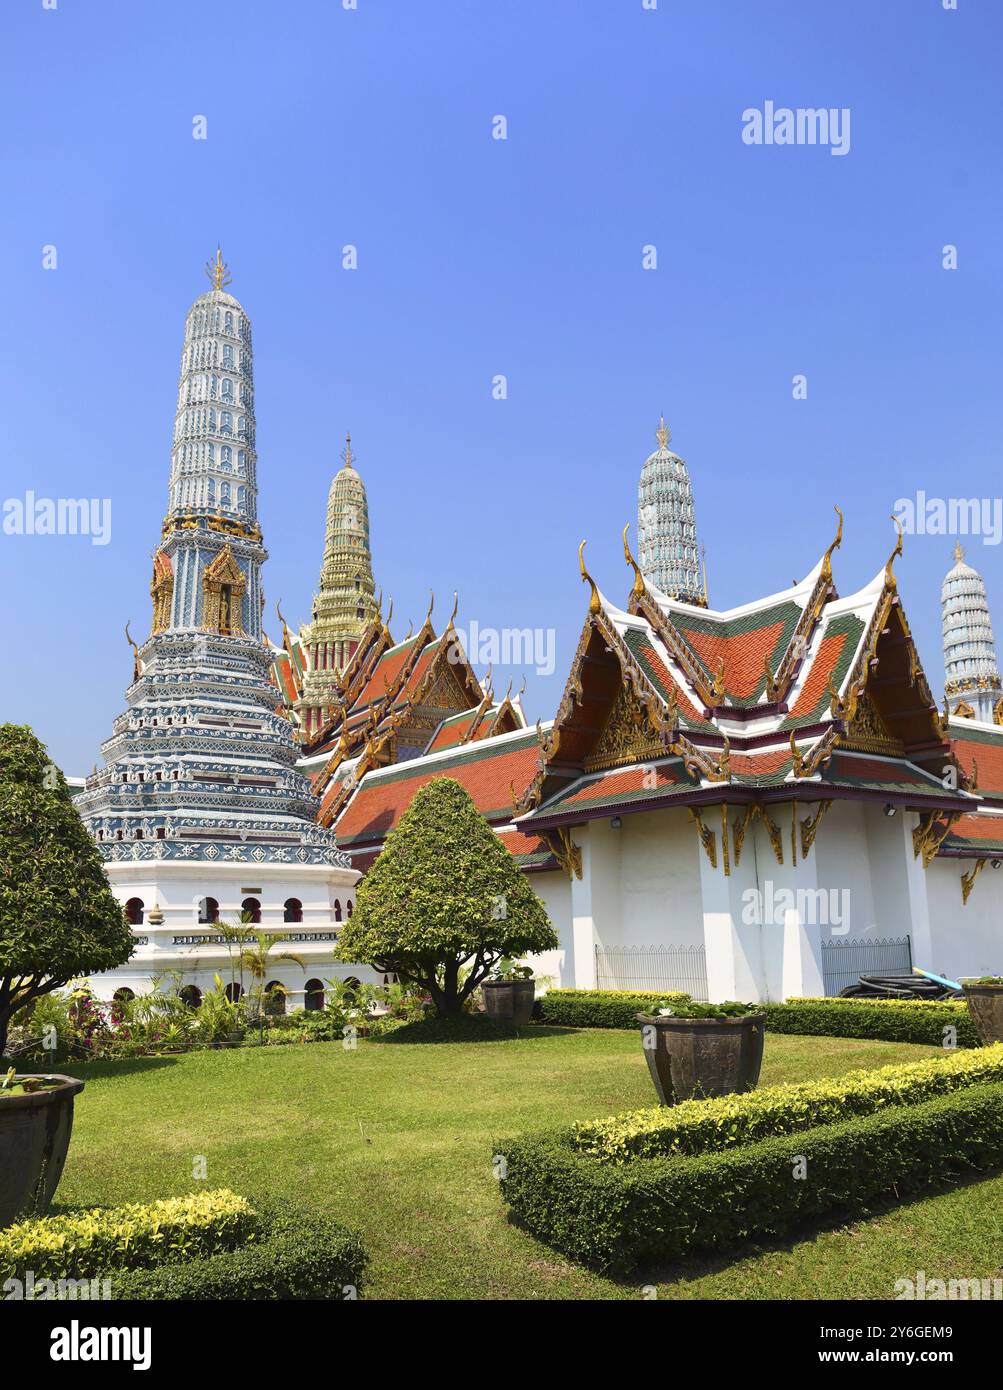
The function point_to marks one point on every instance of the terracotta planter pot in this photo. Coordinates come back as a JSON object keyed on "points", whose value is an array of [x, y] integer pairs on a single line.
{"points": [[511, 1001], [34, 1137], [985, 1004], [690, 1057]]}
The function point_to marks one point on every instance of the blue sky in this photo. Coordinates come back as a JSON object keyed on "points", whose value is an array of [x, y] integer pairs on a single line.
{"points": [[478, 257]]}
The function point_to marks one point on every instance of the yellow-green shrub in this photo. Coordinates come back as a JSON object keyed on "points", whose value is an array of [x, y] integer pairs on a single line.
{"points": [[90, 1243], [706, 1126]]}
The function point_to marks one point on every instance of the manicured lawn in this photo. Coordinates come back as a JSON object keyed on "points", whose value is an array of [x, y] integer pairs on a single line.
{"points": [[395, 1140]]}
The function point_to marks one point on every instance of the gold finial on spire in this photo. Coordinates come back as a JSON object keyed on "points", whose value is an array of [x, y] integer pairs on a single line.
{"points": [[218, 271], [347, 454], [959, 553], [663, 434]]}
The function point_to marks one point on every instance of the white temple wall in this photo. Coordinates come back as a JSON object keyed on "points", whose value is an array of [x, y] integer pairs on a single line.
{"points": [[555, 967], [660, 874], [967, 938]]}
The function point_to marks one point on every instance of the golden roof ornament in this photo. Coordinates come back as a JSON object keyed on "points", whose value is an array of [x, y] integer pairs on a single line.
{"points": [[663, 434], [347, 454], [595, 602], [959, 553], [218, 271]]}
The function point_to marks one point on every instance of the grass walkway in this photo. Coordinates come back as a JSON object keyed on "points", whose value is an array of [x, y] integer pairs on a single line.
{"points": [[395, 1140]]}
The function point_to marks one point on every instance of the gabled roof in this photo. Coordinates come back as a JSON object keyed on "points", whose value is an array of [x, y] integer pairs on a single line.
{"points": [[491, 770], [978, 748], [802, 694]]}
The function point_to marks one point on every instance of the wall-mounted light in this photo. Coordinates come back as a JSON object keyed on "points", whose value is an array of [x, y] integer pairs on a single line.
{"points": [[615, 822], [890, 809], [996, 863]]}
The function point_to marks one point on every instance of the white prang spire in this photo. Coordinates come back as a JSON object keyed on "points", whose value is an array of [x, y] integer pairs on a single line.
{"points": [[666, 526], [973, 687]]}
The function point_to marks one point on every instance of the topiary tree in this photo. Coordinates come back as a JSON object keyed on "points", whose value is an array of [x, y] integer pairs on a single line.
{"points": [[445, 901], [58, 916]]}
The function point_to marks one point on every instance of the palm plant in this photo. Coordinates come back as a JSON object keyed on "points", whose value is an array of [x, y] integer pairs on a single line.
{"points": [[257, 958]]}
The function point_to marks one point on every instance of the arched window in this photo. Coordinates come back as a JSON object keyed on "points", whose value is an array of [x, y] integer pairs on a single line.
{"points": [[233, 992], [313, 995], [225, 455], [353, 985], [252, 908], [337, 909], [293, 910], [225, 422], [224, 494], [275, 997], [229, 322], [208, 911], [242, 498], [227, 389], [191, 995], [350, 906], [134, 912], [227, 354], [123, 995]]}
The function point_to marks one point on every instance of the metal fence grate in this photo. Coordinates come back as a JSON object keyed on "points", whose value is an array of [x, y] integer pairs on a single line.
{"points": [[843, 962], [653, 967]]}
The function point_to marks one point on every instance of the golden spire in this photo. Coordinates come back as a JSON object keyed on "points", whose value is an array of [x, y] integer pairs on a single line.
{"points": [[889, 574], [217, 271], [959, 553], [663, 434], [347, 454]]}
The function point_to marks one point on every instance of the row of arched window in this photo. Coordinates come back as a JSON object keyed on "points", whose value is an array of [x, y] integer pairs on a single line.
{"points": [[313, 995], [208, 910]]}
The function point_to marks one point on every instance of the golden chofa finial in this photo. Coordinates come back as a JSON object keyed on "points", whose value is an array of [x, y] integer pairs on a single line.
{"points": [[889, 576], [959, 553], [595, 602], [838, 541], [347, 454], [638, 576], [663, 434], [218, 271]]}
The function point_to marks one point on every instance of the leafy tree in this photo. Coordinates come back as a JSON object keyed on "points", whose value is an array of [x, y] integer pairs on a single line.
{"points": [[445, 901], [58, 916]]}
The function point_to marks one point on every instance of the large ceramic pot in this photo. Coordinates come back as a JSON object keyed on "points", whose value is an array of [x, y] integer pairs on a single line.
{"points": [[509, 1000], [702, 1056], [985, 1004], [34, 1137]]}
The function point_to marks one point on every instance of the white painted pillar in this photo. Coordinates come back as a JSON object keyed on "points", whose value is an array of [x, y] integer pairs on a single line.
{"points": [[731, 930], [583, 964]]}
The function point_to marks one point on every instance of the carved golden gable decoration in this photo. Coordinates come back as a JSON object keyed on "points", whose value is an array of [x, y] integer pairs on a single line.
{"points": [[867, 732], [627, 736], [964, 711], [223, 585]]}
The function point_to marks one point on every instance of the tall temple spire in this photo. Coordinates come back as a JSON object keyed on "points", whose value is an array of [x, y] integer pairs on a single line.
{"points": [[973, 686], [200, 766], [666, 527], [345, 603]]}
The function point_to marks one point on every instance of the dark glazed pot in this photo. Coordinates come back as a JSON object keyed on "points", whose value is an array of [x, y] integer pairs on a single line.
{"points": [[690, 1057], [985, 1004], [512, 1001], [34, 1137]]}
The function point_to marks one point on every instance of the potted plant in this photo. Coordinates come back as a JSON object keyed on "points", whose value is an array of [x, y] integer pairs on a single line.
{"points": [[985, 1004], [36, 1118], [510, 992], [703, 1049]]}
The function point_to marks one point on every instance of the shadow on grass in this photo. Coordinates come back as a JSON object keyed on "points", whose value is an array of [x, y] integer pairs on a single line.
{"points": [[466, 1029], [99, 1068]]}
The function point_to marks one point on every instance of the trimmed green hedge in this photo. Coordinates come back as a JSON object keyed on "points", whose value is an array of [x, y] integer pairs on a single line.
{"points": [[886, 1020], [597, 1008], [298, 1256], [615, 1217], [705, 1126], [88, 1243]]}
